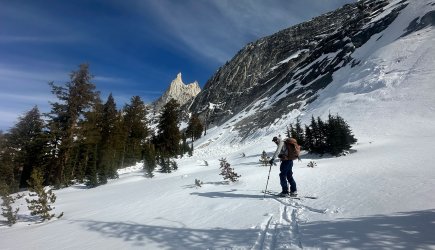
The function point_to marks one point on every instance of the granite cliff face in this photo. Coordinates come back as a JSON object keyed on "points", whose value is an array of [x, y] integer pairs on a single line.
{"points": [[284, 72], [179, 91]]}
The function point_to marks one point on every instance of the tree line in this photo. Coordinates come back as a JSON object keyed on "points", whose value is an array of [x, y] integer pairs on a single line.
{"points": [[83, 139], [333, 136]]}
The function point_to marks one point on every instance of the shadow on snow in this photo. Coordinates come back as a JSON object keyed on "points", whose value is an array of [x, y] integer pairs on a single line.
{"points": [[409, 230], [227, 194], [173, 237]]}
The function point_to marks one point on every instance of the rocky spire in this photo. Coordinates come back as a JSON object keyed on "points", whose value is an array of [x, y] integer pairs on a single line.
{"points": [[179, 91]]}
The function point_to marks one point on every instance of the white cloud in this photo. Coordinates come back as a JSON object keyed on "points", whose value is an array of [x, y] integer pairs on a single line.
{"points": [[217, 29], [23, 87]]}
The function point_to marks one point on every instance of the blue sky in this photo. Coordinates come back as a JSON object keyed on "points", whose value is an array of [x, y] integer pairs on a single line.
{"points": [[133, 47]]}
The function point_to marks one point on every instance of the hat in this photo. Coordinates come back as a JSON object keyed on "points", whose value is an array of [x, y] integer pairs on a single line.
{"points": [[275, 139]]}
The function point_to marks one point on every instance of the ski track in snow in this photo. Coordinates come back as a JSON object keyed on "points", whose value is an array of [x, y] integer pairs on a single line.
{"points": [[283, 232]]}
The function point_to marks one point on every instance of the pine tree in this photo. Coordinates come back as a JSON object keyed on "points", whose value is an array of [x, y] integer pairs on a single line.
{"points": [[333, 136], [299, 132], [107, 155], [120, 138], [42, 205], [27, 141], [194, 128], [75, 98], [315, 135], [169, 136], [340, 137], [8, 171], [309, 139], [185, 148], [290, 130], [7, 200], [165, 165], [321, 136], [227, 171], [149, 160], [135, 125], [90, 143], [191, 149]]}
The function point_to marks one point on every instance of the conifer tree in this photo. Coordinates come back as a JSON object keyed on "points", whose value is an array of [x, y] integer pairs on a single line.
{"points": [[227, 171], [75, 98], [315, 132], [169, 136], [26, 140], [42, 205], [191, 149], [194, 128], [321, 136], [135, 125], [333, 136], [290, 130], [8, 171], [340, 137], [299, 132], [185, 148], [107, 154], [309, 139], [120, 138], [90, 143], [149, 159], [165, 165], [7, 200]]}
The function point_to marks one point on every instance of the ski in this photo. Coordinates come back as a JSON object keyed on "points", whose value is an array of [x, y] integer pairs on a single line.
{"points": [[276, 194]]}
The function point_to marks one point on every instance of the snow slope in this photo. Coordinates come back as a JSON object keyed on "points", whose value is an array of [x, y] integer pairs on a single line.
{"points": [[378, 197]]}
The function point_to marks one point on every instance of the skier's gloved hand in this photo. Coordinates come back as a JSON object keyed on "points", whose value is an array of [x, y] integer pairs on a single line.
{"points": [[271, 161]]}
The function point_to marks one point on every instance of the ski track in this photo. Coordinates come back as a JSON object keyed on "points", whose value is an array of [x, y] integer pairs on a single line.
{"points": [[283, 232]]}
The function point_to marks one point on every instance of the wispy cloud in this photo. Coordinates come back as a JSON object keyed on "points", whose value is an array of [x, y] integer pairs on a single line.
{"points": [[135, 47], [22, 88], [216, 29]]}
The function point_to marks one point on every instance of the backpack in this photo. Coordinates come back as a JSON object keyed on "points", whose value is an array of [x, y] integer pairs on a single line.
{"points": [[293, 149]]}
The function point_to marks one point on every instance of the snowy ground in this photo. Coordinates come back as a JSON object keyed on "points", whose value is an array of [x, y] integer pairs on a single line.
{"points": [[381, 196]]}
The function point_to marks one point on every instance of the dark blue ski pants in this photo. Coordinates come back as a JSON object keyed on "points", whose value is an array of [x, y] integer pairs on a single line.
{"points": [[287, 175]]}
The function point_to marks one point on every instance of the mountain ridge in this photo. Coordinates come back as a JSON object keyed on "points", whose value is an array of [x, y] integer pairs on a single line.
{"points": [[283, 73]]}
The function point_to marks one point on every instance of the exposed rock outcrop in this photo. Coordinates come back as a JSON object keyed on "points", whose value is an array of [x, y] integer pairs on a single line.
{"points": [[285, 71], [179, 91]]}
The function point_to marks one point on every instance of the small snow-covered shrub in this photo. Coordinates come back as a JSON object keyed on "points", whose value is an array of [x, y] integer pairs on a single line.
{"points": [[198, 183], [312, 164], [42, 204], [227, 171], [264, 160], [7, 211]]}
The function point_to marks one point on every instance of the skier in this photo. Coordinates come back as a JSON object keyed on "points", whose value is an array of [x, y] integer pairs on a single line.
{"points": [[285, 168]]}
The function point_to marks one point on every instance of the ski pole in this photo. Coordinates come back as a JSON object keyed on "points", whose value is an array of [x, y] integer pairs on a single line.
{"points": [[267, 183]]}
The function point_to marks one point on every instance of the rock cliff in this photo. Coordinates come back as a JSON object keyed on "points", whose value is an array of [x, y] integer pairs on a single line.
{"points": [[179, 91], [284, 72]]}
